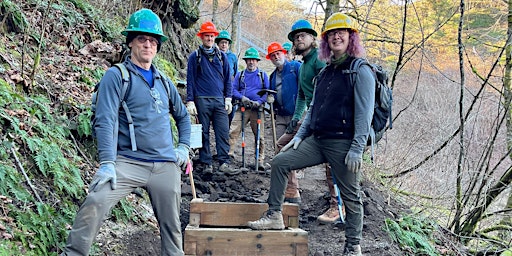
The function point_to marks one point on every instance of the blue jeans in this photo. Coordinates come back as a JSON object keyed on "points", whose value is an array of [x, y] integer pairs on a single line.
{"points": [[312, 152], [212, 110]]}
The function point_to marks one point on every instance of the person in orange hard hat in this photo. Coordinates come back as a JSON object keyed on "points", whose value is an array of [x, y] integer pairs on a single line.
{"points": [[285, 81], [209, 93]]}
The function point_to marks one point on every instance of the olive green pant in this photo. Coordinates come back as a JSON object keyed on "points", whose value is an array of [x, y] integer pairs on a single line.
{"points": [[162, 181], [312, 152]]}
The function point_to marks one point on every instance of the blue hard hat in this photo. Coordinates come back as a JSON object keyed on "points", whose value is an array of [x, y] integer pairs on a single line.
{"points": [[301, 26]]}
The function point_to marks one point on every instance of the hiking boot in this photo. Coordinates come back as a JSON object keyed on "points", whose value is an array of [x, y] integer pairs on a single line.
{"points": [[208, 168], [226, 169], [352, 250], [330, 216], [292, 200], [270, 220]]}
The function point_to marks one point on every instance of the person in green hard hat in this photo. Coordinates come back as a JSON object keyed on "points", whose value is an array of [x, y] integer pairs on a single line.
{"points": [[223, 41], [289, 53], [246, 85], [153, 163]]}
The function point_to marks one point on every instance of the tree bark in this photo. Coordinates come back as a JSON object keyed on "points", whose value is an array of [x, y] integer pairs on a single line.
{"points": [[235, 26]]}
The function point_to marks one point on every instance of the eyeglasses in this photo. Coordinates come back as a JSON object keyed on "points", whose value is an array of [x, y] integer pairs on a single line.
{"points": [[142, 39], [340, 33], [300, 35]]}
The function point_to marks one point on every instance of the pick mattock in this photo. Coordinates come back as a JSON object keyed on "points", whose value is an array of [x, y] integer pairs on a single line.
{"points": [[338, 196], [242, 110], [270, 100], [257, 141]]}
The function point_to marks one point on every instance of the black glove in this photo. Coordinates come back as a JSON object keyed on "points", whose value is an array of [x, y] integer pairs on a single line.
{"points": [[291, 126]]}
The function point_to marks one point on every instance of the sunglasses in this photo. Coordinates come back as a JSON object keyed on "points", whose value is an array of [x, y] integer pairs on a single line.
{"points": [[142, 39]]}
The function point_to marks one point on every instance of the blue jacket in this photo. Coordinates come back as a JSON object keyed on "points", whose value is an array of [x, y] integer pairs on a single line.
{"points": [[233, 62], [250, 85], [289, 87], [151, 118], [210, 79]]}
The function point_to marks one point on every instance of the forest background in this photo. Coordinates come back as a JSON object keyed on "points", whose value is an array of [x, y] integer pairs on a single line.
{"points": [[447, 155]]}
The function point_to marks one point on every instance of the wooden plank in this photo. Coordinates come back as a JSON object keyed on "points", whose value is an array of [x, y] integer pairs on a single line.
{"points": [[222, 214], [245, 242]]}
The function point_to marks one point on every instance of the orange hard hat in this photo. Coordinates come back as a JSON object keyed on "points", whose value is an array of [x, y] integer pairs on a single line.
{"points": [[274, 47], [208, 27]]}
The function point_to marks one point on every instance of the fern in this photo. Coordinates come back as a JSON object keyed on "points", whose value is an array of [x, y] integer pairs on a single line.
{"points": [[412, 234]]}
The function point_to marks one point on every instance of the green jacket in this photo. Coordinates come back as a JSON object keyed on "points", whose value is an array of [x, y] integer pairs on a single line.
{"points": [[308, 70]]}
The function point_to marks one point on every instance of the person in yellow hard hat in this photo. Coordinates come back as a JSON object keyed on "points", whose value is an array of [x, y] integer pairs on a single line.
{"points": [[305, 44], [335, 130], [209, 92], [152, 162]]}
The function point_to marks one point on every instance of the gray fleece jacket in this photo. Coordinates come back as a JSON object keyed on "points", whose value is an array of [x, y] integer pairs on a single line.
{"points": [[150, 112]]}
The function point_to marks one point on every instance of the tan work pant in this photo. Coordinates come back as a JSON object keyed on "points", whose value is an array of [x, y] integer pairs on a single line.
{"points": [[162, 181], [250, 116]]}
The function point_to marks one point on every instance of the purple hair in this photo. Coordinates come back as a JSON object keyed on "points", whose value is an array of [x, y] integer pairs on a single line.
{"points": [[355, 47]]}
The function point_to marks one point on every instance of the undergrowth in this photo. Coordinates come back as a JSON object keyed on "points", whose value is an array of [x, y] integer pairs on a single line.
{"points": [[413, 234]]}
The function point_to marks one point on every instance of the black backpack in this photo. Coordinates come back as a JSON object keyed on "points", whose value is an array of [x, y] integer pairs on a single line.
{"points": [[125, 74], [242, 78]]}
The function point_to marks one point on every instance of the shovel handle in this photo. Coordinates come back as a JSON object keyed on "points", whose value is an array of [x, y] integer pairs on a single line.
{"points": [[191, 176]]}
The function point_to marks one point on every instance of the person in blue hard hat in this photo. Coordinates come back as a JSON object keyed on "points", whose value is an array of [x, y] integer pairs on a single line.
{"points": [[152, 163]]}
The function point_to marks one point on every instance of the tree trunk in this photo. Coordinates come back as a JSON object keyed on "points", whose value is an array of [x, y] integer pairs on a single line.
{"points": [[507, 219], [235, 26], [177, 17], [215, 6], [331, 6]]}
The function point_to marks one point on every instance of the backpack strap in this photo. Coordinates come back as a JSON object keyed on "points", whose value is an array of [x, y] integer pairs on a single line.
{"points": [[260, 74], [198, 60], [241, 79], [167, 87], [125, 74], [355, 65]]}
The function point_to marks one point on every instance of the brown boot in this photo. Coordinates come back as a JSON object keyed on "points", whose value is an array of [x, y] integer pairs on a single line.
{"points": [[330, 216]]}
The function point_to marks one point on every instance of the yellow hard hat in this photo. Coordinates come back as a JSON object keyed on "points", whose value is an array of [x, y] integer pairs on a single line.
{"points": [[339, 20]]}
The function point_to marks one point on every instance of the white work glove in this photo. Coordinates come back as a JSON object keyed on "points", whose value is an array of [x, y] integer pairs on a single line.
{"points": [[106, 173], [353, 161], [228, 105], [191, 108], [182, 155], [294, 142], [246, 102]]}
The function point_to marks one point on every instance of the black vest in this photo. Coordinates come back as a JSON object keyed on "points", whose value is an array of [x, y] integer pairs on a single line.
{"points": [[332, 115]]}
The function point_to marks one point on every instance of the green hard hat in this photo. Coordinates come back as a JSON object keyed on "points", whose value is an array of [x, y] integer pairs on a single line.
{"points": [[224, 34], [145, 21], [251, 53], [287, 46]]}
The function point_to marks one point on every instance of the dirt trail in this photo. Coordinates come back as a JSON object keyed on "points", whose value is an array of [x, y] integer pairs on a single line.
{"points": [[253, 187]]}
